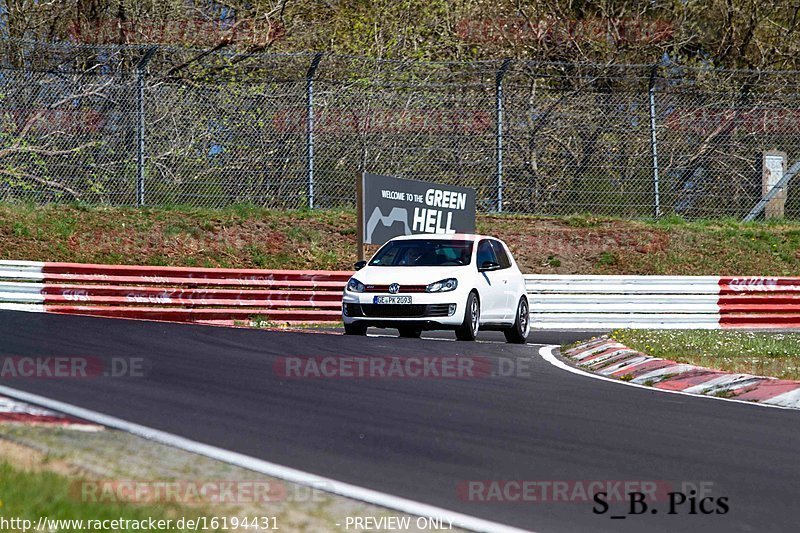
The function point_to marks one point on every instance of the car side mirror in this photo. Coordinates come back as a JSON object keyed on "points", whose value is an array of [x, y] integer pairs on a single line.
{"points": [[488, 265], [360, 264]]}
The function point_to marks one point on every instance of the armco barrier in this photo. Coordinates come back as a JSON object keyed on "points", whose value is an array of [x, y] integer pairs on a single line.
{"points": [[227, 295], [172, 293], [759, 302], [605, 302]]}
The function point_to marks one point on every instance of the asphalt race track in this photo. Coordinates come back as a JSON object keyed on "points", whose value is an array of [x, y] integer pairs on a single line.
{"points": [[420, 438]]}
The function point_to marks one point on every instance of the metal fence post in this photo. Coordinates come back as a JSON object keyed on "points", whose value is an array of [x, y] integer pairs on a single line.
{"points": [[654, 141], [312, 69], [140, 82], [499, 134]]}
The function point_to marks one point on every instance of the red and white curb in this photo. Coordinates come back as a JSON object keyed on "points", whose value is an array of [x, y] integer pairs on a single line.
{"points": [[609, 358], [14, 411]]}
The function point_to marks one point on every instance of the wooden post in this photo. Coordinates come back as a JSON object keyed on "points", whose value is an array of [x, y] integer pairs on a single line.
{"points": [[773, 168], [360, 217]]}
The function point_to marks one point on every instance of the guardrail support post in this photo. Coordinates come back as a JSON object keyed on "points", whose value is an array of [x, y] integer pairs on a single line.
{"points": [[140, 82], [312, 69], [499, 134]]}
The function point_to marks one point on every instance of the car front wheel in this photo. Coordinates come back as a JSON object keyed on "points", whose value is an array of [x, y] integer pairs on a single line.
{"points": [[468, 329], [518, 333]]}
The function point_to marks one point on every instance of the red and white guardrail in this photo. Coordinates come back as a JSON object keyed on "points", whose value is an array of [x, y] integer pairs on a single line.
{"points": [[663, 302], [224, 296], [179, 294]]}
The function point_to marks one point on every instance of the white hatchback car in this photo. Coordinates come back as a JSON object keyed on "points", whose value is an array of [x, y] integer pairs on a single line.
{"points": [[418, 282]]}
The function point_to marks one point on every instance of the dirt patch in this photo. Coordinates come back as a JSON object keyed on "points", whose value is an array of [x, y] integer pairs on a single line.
{"points": [[28, 458], [556, 247]]}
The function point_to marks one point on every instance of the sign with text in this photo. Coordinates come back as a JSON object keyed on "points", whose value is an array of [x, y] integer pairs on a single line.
{"points": [[395, 206]]}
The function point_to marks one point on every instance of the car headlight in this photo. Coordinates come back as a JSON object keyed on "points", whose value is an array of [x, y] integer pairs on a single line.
{"points": [[355, 286], [444, 285]]}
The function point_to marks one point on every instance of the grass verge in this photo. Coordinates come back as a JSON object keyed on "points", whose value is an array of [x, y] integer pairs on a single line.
{"points": [[28, 495], [198, 484], [762, 354]]}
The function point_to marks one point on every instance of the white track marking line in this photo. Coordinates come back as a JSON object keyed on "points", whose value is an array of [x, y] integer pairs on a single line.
{"points": [[265, 467], [547, 353]]}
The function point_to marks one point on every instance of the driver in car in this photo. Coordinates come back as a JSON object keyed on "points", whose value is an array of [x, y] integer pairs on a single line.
{"points": [[411, 256]]}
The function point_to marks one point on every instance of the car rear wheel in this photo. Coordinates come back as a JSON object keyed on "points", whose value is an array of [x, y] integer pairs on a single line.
{"points": [[356, 328], [410, 332], [468, 329], [518, 333]]}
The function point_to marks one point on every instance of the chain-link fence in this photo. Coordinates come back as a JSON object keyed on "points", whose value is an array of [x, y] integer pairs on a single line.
{"points": [[128, 125]]}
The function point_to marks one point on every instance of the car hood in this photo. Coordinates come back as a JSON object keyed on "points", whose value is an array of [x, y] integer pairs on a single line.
{"points": [[408, 275]]}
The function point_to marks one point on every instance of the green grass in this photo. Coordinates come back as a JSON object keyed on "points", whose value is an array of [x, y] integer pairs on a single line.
{"points": [[607, 259], [763, 354], [30, 495]]}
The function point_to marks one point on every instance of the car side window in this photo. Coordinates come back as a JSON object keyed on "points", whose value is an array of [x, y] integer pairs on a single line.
{"points": [[485, 253], [502, 256]]}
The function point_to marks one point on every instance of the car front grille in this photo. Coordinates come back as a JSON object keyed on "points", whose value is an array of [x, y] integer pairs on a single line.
{"points": [[403, 288], [397, 311]]}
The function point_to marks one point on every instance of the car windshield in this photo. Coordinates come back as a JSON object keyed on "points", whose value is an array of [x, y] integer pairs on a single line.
{"points": [[423, 252]]}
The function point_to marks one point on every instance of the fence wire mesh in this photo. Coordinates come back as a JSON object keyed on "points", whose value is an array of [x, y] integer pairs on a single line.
{"points": [[92, 124]]}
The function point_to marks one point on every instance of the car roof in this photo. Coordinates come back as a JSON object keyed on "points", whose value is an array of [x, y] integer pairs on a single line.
{"points": [[445, 237]]}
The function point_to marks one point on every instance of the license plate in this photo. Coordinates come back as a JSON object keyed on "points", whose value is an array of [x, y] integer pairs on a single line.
{"points": [[392, 300]]}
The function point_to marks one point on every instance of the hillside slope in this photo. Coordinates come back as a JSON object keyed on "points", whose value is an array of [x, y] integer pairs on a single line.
{"points": [[252, 237]]}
